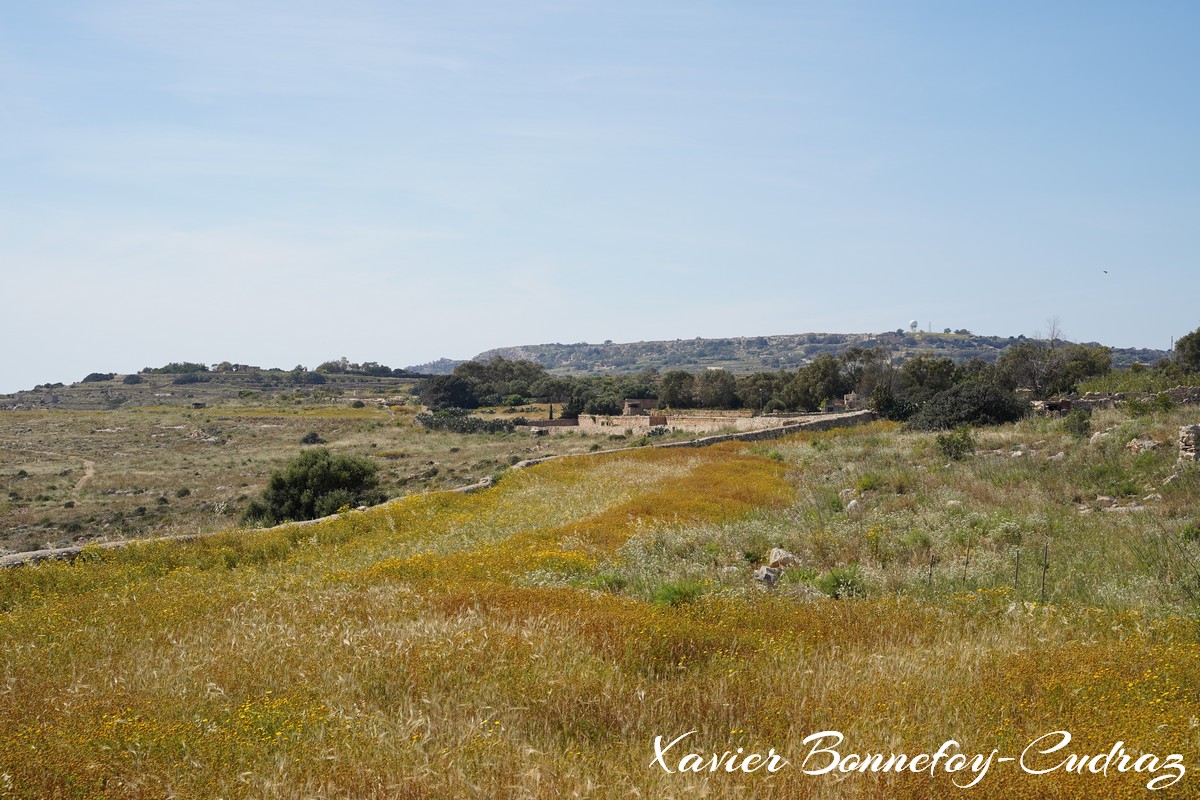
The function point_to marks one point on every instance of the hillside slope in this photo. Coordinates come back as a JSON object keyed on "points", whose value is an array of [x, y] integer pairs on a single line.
{"points": [[533, 640], [755, 353]]}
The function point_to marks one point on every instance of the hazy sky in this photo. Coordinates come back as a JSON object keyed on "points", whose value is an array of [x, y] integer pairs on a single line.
{"points": [[288, 182]]}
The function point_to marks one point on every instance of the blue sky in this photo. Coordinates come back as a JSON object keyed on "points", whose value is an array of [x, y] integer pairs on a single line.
{"points": [[288, 182]]}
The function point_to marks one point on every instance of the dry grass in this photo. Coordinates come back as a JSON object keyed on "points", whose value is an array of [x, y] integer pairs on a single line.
{"points": [[218, 459], [507, 643]]}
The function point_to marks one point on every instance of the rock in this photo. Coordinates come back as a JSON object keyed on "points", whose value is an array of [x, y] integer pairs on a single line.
{"points": [[1105, 500], [1059, 456], [1098, 437], [781, 559], [1017, 453], [767, 575], [1138, 446], [1189, 443], [1136, 507], [954, 504], [1171, 479], [847, 495], [1153, 496], [853, 507]]}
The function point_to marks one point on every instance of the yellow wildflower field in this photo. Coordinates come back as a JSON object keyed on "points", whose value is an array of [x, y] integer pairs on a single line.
{"points": [[583, 626]]}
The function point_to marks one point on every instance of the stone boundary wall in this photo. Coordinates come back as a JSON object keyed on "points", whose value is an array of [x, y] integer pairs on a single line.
{"points": [[824, 423], [597, 423], [1180, 396], [1189, 443], [829, 421]]}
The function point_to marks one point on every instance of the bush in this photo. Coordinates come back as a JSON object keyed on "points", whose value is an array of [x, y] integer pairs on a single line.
{"points": [[312, 437], [130, 380], [841, 582], [97, 377], [774, 406], [971, 403], [458, 420], [315, 484], [1078, 422], [358, 404], [958, 444], [678, 593]]}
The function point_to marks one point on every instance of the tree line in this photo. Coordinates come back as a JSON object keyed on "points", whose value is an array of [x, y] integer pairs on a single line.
{"points": [[897, 391]]}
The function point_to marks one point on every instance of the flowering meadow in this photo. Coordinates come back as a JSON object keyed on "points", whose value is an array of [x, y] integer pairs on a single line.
{"points": [[534, 639]]}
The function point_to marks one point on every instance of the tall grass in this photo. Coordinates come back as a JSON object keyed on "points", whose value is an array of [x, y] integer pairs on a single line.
{"points": [[532, 640]]}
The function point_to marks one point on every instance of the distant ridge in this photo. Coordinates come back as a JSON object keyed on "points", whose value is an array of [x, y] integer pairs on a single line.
{"points": [[758, 353]]}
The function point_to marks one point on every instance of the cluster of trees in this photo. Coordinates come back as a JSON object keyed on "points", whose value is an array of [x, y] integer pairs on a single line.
{"points": [[176, 368], [343, 366], [897, 391]]}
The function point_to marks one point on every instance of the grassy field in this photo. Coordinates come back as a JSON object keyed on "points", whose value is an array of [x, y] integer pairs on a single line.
{"points": [[76, 476], [534, 639]]}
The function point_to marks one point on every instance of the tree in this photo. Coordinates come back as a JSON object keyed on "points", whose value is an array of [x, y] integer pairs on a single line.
{"points": [[1187, 351], [448, 391], [1049, 371], [814, 384], [716, 388], [315, 484], [924, 376], [676, 388]]}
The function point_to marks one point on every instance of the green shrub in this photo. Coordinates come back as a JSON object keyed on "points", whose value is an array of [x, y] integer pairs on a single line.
{"points": [[958, 444], [315, 484], [130, 380], [678, 593], [459, 420], [971, 403], [1078, 422], [870, 482], [1191, 532], [841, 582], [97, 377], [358, 404], [182, 491], [312, 437]]}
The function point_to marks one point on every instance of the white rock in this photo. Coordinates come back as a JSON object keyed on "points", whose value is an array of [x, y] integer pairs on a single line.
{"points": [[1059, 456], [1153, 496], [781, 559], [954, 504], [853, 507], [1098, 437]]}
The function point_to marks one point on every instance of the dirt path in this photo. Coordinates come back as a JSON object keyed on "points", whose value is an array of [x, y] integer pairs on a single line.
{"points": [[89, 472], [89, 467]]}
